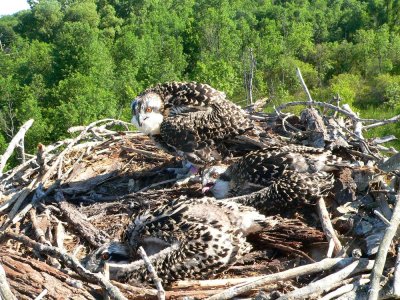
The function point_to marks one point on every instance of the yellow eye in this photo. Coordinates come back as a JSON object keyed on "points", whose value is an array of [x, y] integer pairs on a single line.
{"points": [[105, 256], [148, 109]]}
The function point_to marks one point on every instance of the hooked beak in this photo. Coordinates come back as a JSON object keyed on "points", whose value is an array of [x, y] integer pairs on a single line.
{"points": [[135, 115]]}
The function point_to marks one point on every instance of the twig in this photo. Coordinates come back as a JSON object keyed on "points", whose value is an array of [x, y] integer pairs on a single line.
{"points": [[5, 291], [316, 288], [345, 289], [383, 250], [145, 153], [320, 266], [381, 217], [383, 122], [396, 279], [14, 143], [153, 274], [93, 235], [39, 195], [41, 295], [69, 261], [327, 225], [338, 109], [39, 234], [157, 184], [212, 283], [298, 72]]}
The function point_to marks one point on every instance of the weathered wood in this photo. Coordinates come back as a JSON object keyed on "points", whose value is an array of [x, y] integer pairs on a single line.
{"points": [[28, 278], [323, 265], [93, 235], [5, 291], [69, 261], [14, 143], [316, 288], [327, 226], [383, 250]]}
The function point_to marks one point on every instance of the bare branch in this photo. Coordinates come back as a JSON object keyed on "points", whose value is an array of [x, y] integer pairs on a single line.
{"points": [[327, 225], [69, 261], [383, 250], [303, 84], [329, 282], [5, 291], [14, 143], [323, 265], [150, 268]]}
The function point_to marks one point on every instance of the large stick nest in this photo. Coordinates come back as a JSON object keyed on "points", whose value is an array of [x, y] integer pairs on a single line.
{"points": [[78, 193]]}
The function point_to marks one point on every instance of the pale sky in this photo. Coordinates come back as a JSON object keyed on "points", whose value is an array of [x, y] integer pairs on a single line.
{"points": [[8, 7]]}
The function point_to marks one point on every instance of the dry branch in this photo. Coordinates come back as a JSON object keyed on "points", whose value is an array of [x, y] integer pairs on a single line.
{"points": [[340, 110], [323, 265], [303, 84], [327, 226], [14, 143], [5, 291], [153, 274], [329, 282], [383, 250], [69, 261], [93, 235]]}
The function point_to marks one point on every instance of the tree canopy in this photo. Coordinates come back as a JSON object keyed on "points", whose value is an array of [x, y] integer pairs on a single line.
{"points": [[69, 62]]}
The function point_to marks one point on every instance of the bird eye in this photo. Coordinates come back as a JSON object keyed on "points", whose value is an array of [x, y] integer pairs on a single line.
{"points": [[105, 256], [148, 109]]}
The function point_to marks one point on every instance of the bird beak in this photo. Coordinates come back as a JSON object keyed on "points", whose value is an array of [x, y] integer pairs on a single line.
{"points": [[139, 120]]}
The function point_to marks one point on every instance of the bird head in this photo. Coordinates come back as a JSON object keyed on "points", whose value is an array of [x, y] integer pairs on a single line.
{"points": [[216, 179], [113, 252], [147, 113]]}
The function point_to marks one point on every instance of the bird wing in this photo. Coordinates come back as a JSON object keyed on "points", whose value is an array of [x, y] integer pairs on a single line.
{"points": [[189, 94], [204, 238], [260, 167]]}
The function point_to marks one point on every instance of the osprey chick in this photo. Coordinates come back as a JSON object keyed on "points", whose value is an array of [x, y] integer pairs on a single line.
{"points": [[292, 175], [189, 119], [184, 239]]}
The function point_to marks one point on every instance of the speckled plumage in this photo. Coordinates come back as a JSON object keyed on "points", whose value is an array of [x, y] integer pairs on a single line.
{"points": [[293, 175], [186, 238], [190, 119]]}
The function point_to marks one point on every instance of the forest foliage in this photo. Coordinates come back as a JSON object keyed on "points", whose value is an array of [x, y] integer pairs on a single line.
{"points": [[70, 62]]}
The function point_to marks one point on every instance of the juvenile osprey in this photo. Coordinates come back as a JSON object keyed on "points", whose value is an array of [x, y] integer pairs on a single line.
{"points": [[189, 119], [292, 175], [184, 239]]}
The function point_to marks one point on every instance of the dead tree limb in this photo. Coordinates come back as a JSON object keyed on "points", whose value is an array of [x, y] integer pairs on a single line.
{"points": [[327, 226], [345, 289], [5, 291], [303, 84], [323, 265], [93, 235], [212, 283], [69, 261], [153, 274], [329, 282], [14, 143], [390, 232], [338, 109], [396, 279]]}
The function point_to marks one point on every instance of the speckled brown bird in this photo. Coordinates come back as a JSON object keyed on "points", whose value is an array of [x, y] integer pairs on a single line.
{"points": [[184, 239], [189, 119], [293, 175]]}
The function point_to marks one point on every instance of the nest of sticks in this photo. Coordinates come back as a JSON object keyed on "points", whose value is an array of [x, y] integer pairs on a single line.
{"points": [[78, 193]]}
